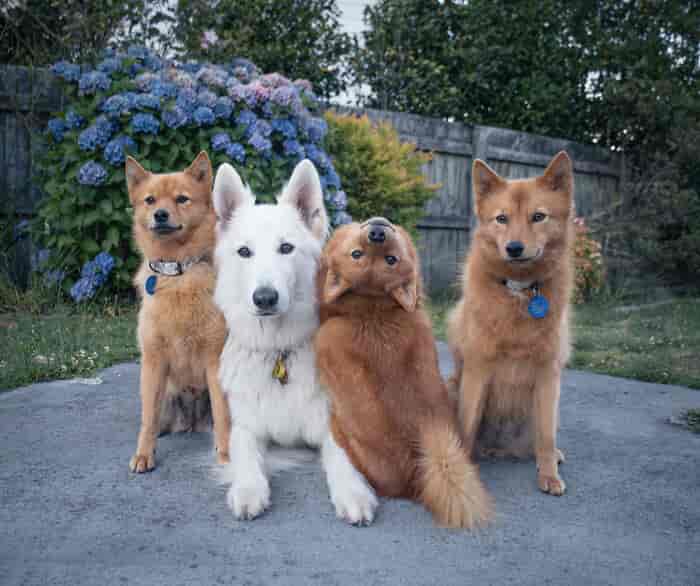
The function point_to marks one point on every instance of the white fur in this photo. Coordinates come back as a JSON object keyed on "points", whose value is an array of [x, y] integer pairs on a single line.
{"points": [[263, 409]]}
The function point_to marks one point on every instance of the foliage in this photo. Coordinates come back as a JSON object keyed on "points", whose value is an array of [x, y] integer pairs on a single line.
{"points": [[38, 32], [589, 268], [163, 113], [382, 175], [298, 38]]}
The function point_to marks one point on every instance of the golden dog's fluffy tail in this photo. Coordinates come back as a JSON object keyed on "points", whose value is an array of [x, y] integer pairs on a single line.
{"points": [[448, 481]]}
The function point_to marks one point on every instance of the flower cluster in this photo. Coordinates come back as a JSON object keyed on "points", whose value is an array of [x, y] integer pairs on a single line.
{"points": [[161, 111], [589, 267], [92, 276]]}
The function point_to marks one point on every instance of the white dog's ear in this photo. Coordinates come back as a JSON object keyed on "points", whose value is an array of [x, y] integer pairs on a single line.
{"points": [[304, 192], [230, 194]]}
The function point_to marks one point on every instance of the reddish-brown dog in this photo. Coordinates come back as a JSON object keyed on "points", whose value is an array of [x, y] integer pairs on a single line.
{"points": [[181, 332], [376, 355], [509, 333]]}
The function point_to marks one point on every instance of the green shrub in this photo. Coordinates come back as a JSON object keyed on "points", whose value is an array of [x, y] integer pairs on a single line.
{"points": [[380, 174], [589, 267]]}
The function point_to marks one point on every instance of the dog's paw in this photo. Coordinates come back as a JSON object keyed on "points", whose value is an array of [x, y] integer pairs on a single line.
{"points": [[553, 485], [355, 503], [249, 500], [141, 463]]}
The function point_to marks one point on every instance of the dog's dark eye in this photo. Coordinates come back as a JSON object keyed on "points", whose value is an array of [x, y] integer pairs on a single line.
{"points": [[182, 199], [150, 200], [391, 260], [245, 252], [538, 217], [356, 254], [286, 248], [502, 219]]}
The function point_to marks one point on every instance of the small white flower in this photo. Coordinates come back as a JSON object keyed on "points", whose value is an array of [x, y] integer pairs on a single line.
{"points": [[209, 39]]}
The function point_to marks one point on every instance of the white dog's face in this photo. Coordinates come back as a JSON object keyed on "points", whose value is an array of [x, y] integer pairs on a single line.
{"points": [[267, 254]]}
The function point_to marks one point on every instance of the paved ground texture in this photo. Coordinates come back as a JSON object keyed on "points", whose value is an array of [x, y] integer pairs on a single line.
{"points": [[71, 513]]}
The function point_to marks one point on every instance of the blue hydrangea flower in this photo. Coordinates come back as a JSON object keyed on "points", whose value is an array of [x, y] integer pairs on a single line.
{"points": [[293, 149], [137, 52], [331, 179], [116, 149], [93, 82], [341, 218], [220, 141], [187, 100], [317, 156], [284, 96], [117, 105], [148, 101], [260, 144], [83, 289], [236, 151], [110, 65], [67, 71], [203, 116], [163, 89], [316, 128], [92, 173], [339, 200], [223, 107], [105, 262], [262, 127], [74, 120], [206, 98], [96, 135], [285, 127], [246, 118], [57, 127], [175, 117], [143, 123]]}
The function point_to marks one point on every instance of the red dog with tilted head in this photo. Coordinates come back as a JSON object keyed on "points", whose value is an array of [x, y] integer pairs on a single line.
{"points": [[376, 355], [510, 333]]}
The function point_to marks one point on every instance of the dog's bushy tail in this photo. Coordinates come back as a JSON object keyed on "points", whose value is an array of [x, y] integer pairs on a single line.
{"points": [[448, 481]]}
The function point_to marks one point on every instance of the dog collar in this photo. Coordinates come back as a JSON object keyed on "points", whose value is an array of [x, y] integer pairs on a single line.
{"points": [[175, 268], [538, 306]]}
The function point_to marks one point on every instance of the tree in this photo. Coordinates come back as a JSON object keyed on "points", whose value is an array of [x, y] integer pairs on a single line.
{"points": [[297, 38]]}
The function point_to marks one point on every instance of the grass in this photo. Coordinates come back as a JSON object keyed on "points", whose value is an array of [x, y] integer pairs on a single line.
{"points": [[39, 342], [655, 342]]}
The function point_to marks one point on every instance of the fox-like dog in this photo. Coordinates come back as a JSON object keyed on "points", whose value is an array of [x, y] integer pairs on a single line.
{"points": [[181, 332], [509, 333]]}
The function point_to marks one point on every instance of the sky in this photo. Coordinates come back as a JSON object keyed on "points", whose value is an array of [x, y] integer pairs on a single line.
{"points": [[351, 21]]}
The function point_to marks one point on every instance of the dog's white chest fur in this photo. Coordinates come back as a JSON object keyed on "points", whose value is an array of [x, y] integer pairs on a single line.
{"points": [[289, 414]]}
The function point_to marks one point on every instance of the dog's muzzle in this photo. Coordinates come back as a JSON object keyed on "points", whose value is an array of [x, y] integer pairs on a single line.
{"points": [[377, 229], [266, 299]]}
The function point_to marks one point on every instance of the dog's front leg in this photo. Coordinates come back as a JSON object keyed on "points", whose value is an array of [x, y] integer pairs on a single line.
{"points": [[249, 494], [220, 412], [154, 373], [351, 495], [546, 422], [472, 397]]}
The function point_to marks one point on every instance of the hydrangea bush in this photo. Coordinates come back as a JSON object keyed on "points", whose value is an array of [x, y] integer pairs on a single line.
{"points": [[163, 113]]}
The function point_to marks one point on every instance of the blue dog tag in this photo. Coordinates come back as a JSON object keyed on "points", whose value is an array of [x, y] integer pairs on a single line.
{"points": [[151, 284], [538, 307]]}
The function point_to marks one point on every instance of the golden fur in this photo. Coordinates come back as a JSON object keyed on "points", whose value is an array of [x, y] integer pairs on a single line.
{"points": [[376, 355], [181, 333], [507, 363]]}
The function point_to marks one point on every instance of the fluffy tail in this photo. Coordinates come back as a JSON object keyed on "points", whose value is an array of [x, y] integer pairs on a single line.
{"points": [[449, 484]]}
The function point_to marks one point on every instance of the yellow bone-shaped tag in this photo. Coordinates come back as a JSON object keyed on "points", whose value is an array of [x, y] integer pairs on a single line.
{"points": [[279, 371]]}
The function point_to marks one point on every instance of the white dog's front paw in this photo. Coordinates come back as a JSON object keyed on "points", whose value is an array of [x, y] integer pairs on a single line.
{"points": [[248, 500], [355, 503]]}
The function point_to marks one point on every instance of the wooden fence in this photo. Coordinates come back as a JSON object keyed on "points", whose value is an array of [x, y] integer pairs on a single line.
{"points": [[27, 97]]}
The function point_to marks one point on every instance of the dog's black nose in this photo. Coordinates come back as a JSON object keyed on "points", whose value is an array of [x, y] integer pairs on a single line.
{"points": [[376, 233], [265, 297], [515, 248], [161, 216]]}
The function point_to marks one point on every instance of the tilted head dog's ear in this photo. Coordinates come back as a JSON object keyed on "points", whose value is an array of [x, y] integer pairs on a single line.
{"points": [[559, 175], [304, 192], [409, 292], [334, 286], [229, 193], [200, 169], [485, 181], [135, 174]]}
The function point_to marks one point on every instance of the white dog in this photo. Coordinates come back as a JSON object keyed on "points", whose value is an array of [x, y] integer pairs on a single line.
{"points": [[267, 258]]}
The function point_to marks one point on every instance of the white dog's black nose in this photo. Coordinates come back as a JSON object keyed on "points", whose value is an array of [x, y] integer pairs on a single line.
{"points": [[265, 298]]}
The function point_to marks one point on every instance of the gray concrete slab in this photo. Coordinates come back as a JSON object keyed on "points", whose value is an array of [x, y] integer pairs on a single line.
{"points": [[71, 513]]}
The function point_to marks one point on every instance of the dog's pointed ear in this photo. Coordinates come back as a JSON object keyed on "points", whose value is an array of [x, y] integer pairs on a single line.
{"points": [[406, 295], [559, 174], [229, 194], [201, 169], [485, 181], [334, 286], [135, 174], [304, 192]]}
